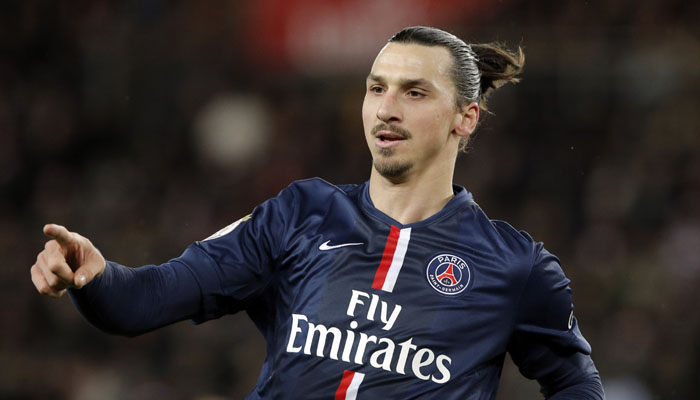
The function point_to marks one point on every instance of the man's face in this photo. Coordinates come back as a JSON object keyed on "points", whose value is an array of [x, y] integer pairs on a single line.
{"points": [[409, 112]]}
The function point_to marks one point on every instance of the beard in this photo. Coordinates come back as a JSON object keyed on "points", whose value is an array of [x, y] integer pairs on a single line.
{"points": [[383, 163], [389, 168]]}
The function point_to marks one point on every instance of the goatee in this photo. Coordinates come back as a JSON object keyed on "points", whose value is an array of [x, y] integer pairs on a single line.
{"points": [[383, 163], [389, 169]]}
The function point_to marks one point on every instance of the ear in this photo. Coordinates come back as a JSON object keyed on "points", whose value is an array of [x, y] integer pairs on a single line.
{"points": [[467, 119]]}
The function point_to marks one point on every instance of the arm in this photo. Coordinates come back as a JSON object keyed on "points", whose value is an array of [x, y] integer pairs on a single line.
{"points": [[211, 278], [562, 374], [112, 297], [132, 301], [547, 344]]}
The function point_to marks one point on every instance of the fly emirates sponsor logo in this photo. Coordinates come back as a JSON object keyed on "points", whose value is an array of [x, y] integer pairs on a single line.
{"points": [[351, 346]]}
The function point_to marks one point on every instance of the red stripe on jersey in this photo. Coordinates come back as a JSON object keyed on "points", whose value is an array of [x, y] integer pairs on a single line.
{"points": [[344, 385], [387, 257]]}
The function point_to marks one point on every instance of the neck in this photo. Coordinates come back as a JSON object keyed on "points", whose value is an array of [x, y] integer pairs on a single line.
{"points": [[414, 197]]}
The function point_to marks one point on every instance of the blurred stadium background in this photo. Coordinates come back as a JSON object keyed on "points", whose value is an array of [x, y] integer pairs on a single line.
{"points": [[149, 124]]}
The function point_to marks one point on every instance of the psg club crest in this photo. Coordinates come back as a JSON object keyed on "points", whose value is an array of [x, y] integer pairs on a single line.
{"points": [[449, 275]]}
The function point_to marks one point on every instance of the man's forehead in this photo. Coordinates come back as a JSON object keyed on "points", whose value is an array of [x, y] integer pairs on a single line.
{"points": [[413, 59]]}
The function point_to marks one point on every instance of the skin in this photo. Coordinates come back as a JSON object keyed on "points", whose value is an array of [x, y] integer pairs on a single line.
{"points": [[411, 103], [412, 126], [68, 260]]}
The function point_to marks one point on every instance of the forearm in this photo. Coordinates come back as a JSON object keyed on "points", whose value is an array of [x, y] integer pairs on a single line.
{"points": [[572, 377], [563, 374], [133, 301], [589, 389]]}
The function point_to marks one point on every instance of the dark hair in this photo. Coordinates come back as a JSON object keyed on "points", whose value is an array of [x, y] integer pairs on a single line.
{"points": [[478, 69]]}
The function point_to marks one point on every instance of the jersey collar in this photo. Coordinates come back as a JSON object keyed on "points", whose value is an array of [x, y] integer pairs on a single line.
{"points": [[461, 199]]}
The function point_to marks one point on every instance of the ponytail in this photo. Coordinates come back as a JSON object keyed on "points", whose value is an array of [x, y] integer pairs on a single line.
{"points": [[497, 66]]}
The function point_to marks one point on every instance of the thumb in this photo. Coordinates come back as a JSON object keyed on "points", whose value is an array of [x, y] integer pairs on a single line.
{"points": [[60, 234], [86, 273]]}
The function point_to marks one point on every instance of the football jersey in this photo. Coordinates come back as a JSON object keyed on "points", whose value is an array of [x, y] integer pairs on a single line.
{"points": [[354, 304]]}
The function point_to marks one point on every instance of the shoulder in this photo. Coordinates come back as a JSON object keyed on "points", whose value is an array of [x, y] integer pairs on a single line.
{"points": [[518, 240], [314, 196], [506, 239], [316, 192], [319, 187], [310, 191], [546, 281]]}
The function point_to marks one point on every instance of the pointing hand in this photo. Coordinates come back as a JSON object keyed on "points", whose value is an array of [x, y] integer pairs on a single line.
{"points": [[68, 260]]}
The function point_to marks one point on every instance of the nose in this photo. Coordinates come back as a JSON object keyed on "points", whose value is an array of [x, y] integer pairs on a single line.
{"points": [[389, 109]]}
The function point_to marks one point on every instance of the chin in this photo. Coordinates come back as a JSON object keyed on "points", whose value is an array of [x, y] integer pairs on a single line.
{"points": [[392, 169]]}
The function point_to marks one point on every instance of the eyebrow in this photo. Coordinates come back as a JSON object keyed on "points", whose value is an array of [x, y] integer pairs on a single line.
{"points": [[402, 82]]}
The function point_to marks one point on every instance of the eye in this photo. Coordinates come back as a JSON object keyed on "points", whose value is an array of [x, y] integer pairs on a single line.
{"points": [[376, 89], [415, 94]]}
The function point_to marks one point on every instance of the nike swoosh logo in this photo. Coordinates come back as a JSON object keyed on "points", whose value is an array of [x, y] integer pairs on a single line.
{"points": [[326, 246]]}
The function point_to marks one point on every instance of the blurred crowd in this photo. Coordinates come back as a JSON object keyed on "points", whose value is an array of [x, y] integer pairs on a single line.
{"points": [[147, 125]]}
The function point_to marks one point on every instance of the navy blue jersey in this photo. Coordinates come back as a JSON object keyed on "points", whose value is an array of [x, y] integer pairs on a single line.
{"points": [[354, 304]]}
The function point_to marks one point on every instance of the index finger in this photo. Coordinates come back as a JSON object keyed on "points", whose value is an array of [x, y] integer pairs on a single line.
{"points": [[59, 233]]}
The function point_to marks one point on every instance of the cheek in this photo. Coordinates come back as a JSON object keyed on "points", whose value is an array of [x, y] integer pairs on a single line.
{"points": [[365, 109], [435, 123], [368, 115], [443, 120]]}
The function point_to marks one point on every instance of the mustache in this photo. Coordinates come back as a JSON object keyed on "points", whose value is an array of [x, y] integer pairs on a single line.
{"points": [[393, 128]]}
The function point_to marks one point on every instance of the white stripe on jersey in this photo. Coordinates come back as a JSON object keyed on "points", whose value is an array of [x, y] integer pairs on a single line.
{"points": [[397, 260], [357, 378]]}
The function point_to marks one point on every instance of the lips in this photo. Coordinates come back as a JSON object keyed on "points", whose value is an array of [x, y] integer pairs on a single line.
{"points": [[388, 139], [389, 135]]}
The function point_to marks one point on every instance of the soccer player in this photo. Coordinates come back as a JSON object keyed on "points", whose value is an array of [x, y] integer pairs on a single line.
{"points": [[398, 288]]}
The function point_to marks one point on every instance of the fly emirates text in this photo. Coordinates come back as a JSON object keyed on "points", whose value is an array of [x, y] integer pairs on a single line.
{"points": [[382, 351]]}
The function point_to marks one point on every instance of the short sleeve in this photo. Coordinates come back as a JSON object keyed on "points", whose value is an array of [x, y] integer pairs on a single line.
{"points": [[238, 263]]}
